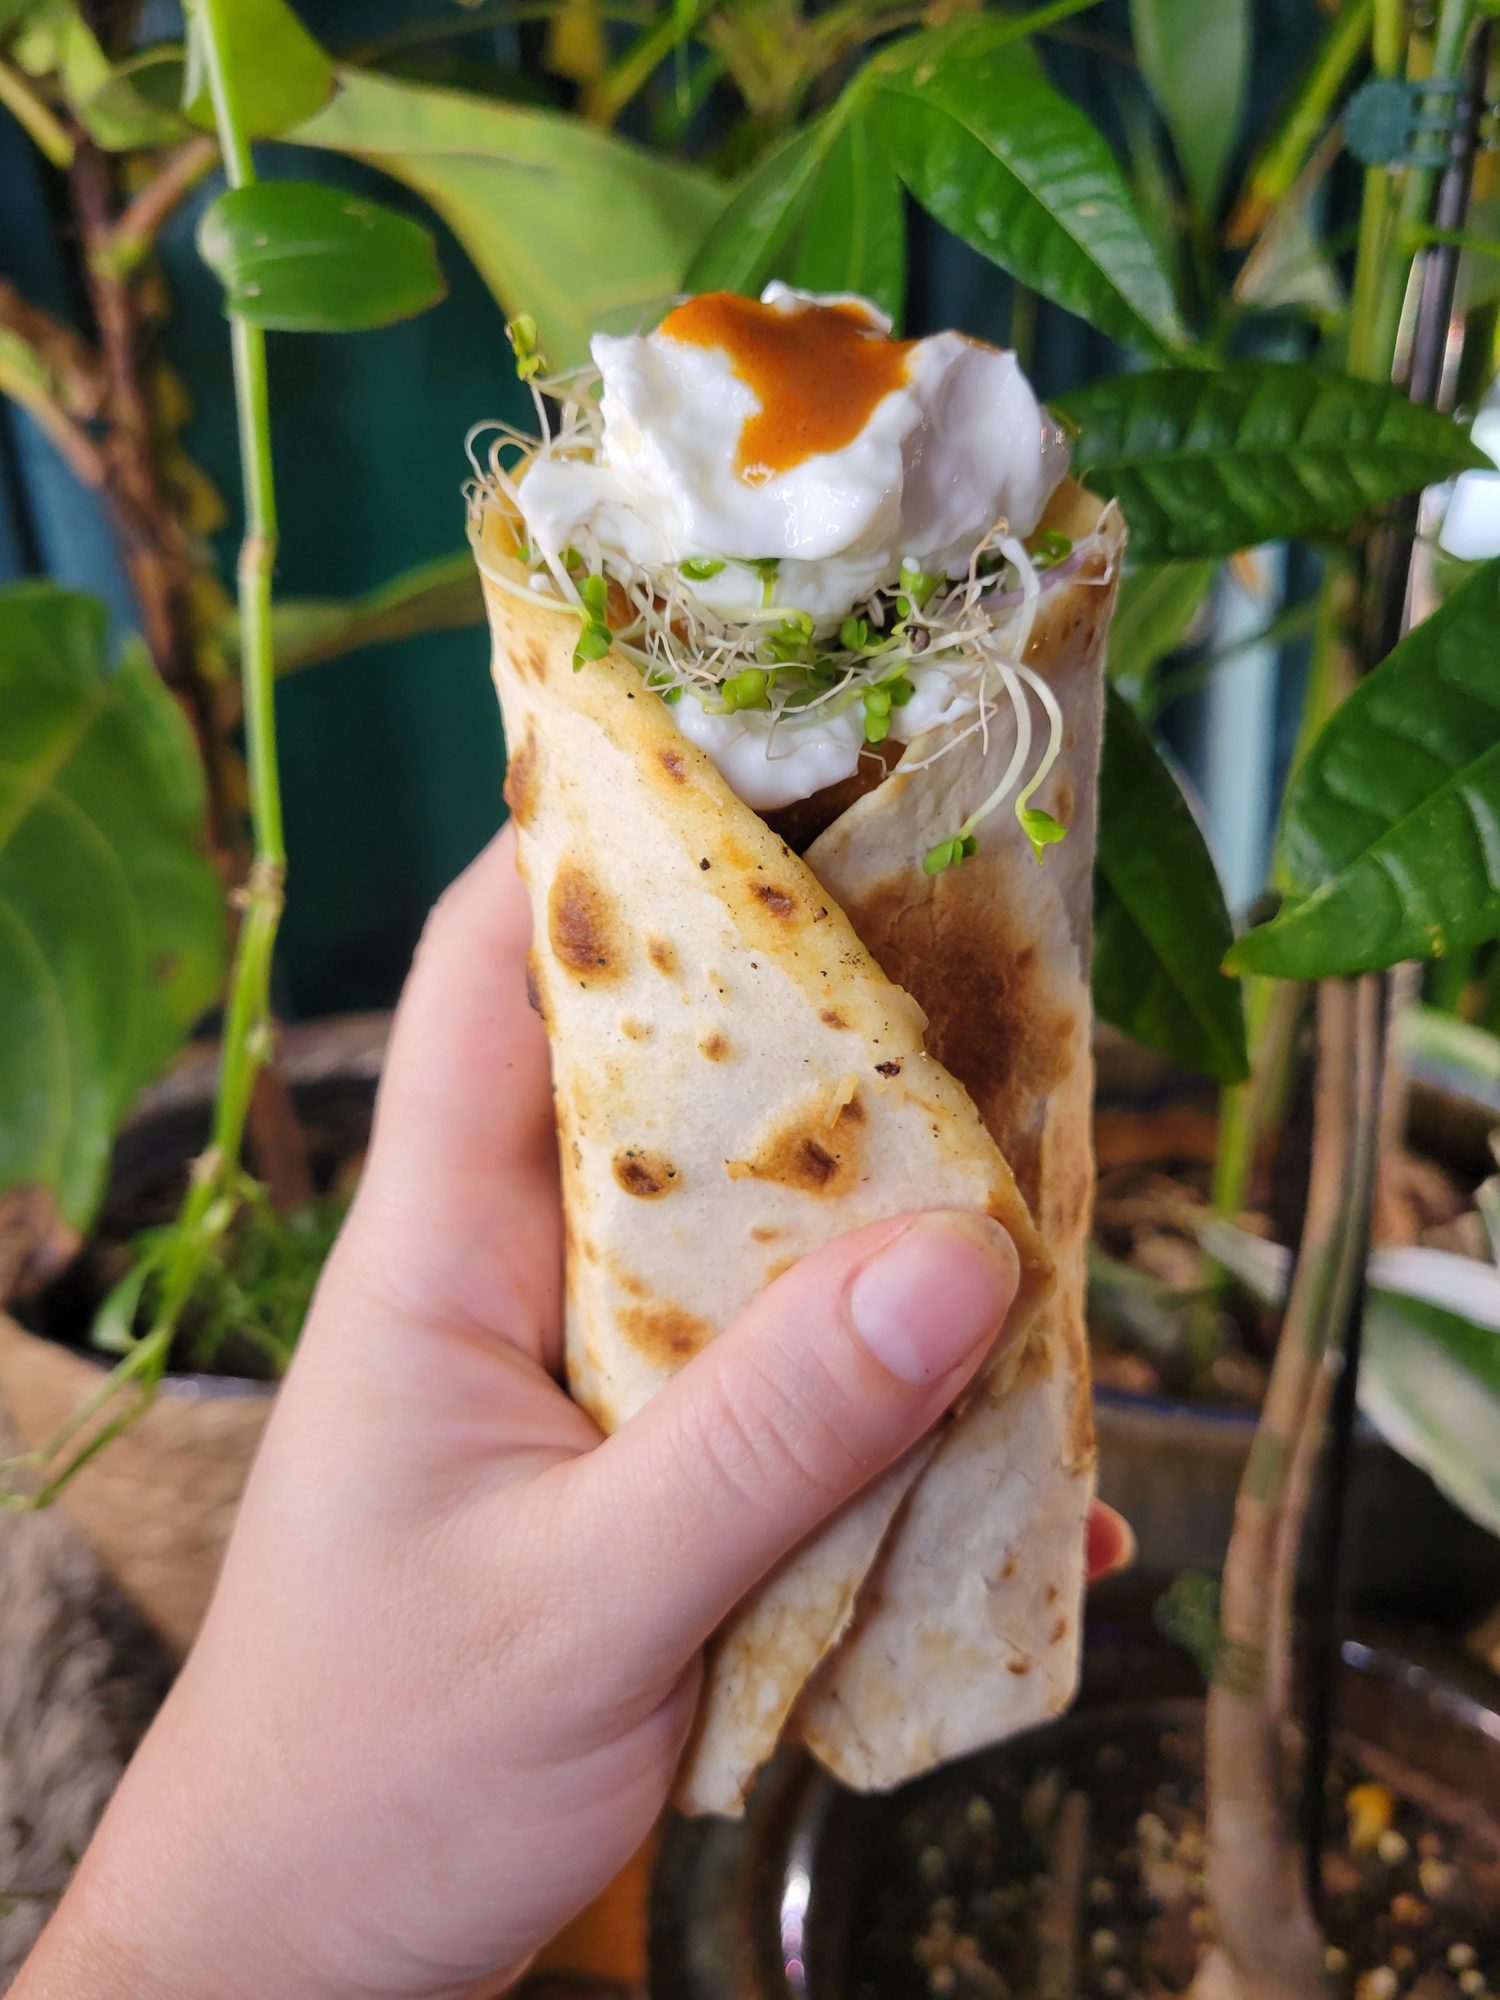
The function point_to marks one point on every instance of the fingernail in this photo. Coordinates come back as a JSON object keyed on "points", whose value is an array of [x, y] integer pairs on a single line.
{"points": [[1110, 1542], [934, 1294]]}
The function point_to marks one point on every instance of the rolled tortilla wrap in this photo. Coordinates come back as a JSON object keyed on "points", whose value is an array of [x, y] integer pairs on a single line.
{"points": [[968, 1629], [737, 1082]]}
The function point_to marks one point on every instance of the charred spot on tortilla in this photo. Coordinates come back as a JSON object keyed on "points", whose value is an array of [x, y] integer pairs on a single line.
{"points": [[671, 761], [534, 985], [991, 1018], [665, 1333], [705, 864], [1059, 1632], [780, 902], [663, 955], [520, 788], [764, 1232], [1018, 1667], [832, 1018], [714, 1045], [582, 924], [812, 1153], [535, 660], [888, 1069], [634, 1030], [644, 1174]]}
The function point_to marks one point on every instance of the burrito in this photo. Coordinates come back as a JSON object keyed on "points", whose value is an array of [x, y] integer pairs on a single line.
{"points": [[798, 636]]}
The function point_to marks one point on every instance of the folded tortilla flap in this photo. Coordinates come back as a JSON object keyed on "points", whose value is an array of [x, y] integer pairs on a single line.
{"points": [[737, 1082], [969, 1629]]}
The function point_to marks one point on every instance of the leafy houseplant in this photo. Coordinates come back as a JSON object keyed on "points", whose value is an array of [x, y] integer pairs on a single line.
{"points": [[838, 120]]}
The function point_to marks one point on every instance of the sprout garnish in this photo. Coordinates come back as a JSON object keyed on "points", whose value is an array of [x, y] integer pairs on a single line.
{"points": [[595, 640], [918, 630]]}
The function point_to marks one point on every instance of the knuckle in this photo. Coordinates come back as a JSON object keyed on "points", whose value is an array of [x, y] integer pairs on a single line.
{"points": [[775, 1444]]}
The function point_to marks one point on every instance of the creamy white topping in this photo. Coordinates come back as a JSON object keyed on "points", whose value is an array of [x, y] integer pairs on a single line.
{"points": [[961, 445], [797, 611]]}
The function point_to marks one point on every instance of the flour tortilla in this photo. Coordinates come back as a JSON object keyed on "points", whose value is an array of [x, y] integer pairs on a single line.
{"points": [[968, 1629], [737, 1082]]}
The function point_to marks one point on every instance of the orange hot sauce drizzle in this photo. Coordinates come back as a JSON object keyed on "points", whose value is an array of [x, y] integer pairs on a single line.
{"points": [[817, 374]]}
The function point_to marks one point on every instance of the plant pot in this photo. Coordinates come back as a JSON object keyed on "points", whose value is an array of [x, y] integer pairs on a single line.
{"points": [[1173, 1468], [158, 1503], [806, 1898]]}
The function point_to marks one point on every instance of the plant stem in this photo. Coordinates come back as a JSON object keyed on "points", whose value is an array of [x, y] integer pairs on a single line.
{"points": [[609, 96], [35, 117], [1455, 17], [1281, 160], [134, 235], [1269, 1944], [210, 1204]]}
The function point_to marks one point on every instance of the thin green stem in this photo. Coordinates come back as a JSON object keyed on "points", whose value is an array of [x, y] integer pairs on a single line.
{"points": [[35, 117], [1455, 19], [210, 1204], [1283, 157], [1388, 42], [640, 62], [234, 142]]}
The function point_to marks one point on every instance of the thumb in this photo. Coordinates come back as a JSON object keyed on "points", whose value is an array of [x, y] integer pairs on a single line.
{"points": [[829, 1375]]}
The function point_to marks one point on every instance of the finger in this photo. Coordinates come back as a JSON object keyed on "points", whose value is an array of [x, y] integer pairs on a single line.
{"points": [[459, 1213], [1109, 1542], [829, 1376]]}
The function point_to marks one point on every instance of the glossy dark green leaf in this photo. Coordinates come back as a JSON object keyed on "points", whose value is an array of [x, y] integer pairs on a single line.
{"points": [[823, 210], [563, 221], [1153, 616], [1390, 836], [990, 149], [1195, 57], [1205, 463], [111, 919], [280, 74], [308, 258], [1160, 927]]}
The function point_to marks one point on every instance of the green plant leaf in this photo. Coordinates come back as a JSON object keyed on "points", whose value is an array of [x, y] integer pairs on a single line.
{"points": [[112, 929], [1430, 1377], [122, 106], [308, 258], [1195, 57], [281, 75], [1390, 834], [438, 596], [1160, 926], [823, 211], [563, 221], [1153, 616], [995, 154], [1206, 463]]}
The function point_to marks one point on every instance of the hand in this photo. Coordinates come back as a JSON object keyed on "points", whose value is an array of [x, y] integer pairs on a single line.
{"points": [[453, 1657]]}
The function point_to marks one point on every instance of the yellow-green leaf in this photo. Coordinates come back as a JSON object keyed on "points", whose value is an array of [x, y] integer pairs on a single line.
{"points": [[565, 222]]}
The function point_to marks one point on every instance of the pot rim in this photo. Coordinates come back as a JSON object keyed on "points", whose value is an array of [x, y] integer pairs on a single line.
{"points": [[335, 1047], [775, 1874]]}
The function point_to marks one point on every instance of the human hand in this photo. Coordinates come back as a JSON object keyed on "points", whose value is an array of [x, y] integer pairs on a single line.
{"points": [[454, 1654]]}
